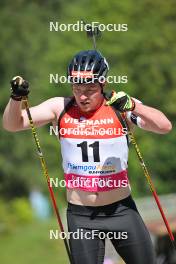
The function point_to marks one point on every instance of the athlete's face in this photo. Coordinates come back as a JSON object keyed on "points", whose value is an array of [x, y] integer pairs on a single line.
{"points": [[88, 96]]}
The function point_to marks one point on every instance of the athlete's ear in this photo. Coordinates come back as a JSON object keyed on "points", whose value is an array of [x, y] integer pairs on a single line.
{"points": [[102, 85]]}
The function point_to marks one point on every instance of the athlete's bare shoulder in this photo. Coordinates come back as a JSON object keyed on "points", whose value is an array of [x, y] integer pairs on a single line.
{"points": [[58, 104]]}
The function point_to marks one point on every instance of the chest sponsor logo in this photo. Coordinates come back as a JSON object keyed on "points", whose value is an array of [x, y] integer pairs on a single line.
{"points": [[95, 169], [88, 122]]}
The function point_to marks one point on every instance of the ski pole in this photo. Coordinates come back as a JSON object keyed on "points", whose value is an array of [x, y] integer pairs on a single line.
{"points": [[45, 172], [150, 182]]}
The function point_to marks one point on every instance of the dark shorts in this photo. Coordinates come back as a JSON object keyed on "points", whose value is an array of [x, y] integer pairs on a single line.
{"points": [[120, 222]]}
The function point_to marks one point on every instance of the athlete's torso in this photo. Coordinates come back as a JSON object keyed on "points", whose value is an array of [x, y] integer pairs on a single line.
{"points": [[95, 155]]}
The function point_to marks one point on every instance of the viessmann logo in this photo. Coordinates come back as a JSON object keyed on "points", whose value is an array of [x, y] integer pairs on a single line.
{"points": [[88, 122]]}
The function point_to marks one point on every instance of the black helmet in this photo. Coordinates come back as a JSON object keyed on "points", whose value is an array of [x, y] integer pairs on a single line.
{"points": [[87, 66]]}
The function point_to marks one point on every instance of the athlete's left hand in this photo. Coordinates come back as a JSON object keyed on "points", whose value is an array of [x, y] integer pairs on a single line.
{"points": [[121, 101]]}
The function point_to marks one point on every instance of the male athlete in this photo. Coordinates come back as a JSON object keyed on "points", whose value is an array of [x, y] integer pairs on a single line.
{"points": [[94, 146]]}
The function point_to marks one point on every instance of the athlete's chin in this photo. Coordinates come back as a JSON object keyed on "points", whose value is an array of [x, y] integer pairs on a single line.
{"points": [[86, 108]]}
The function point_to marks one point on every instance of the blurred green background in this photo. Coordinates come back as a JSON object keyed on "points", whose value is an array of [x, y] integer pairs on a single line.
{"points": [[145, 53]]}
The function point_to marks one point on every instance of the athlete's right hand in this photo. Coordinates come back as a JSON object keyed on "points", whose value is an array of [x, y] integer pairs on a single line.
{"points": [[19, 88]]}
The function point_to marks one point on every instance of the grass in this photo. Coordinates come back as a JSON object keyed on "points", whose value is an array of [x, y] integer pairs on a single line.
{"points": [[31, 244]]}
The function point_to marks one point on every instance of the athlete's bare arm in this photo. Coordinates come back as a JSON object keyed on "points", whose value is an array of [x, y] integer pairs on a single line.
{"points": [[152, 119], [15, 118]]}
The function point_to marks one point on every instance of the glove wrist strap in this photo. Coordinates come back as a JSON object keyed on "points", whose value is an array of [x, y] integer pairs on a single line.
{"points": [[16, 97]]}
